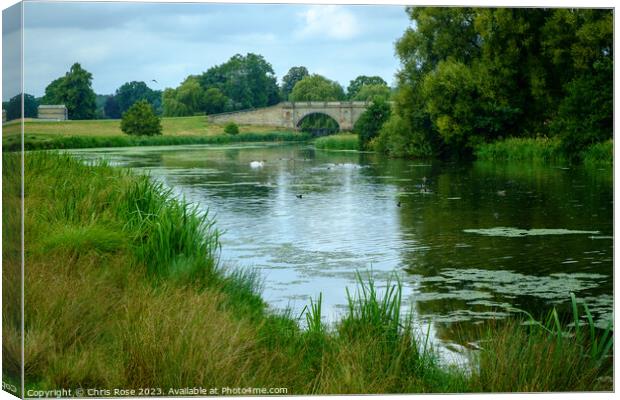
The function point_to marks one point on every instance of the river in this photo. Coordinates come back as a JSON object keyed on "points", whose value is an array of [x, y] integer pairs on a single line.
{"points": [[469, 241]]}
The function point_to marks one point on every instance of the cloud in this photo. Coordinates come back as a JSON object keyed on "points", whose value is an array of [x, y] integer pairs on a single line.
{"points": [[333, 22], [121, 42]]}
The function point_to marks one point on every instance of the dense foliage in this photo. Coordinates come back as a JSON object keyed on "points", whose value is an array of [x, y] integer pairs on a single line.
{"points": [[131, 92], [317, 88], [473, 75], [247, 81], [140, 119], [358, 83], [13, 107], [371, 121], [372, 92], [74, 90], [294, 75], [240, 83]]}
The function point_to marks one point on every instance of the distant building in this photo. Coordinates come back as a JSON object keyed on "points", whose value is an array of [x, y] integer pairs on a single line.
{"points": [[53, 112]]}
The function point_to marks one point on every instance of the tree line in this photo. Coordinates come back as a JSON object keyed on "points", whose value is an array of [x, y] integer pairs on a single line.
{"points": [[242, 82], [473, 75]]}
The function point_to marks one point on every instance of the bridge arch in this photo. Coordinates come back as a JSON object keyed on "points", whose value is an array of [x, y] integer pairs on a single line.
{"points": [[333, 114], [318, 123]]}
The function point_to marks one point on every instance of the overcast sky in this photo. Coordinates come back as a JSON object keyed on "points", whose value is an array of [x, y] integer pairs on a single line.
{"points": [[121, 42]]}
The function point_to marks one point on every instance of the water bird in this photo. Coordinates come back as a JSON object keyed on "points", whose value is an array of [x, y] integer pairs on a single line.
{"points": [[501, 193], [257, 164], [398, 204], [298, 196], [154, 80]]}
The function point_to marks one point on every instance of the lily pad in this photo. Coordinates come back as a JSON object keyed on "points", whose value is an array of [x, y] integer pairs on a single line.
{"points": [[502, 231]]}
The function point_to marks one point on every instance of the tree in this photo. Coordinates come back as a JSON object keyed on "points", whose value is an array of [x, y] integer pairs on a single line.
{"points": [[371, 121], [372, 92], [172, 106], [471, 75], [74, 90], [294, 75], [14, 107], [130, 92], [248, 81], [140, 119], [317, 88], [356, 84], [191, 94], [53, 92], [215, 101], [111, 108]]}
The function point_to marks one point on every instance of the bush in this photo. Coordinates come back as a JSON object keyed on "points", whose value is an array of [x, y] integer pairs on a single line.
{"points": [[585, 115], [140, 119], [231, 128], [398, 139], [371, 121]]}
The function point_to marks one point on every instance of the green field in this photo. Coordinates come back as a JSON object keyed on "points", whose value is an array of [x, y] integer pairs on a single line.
{"points": [[107, 133], [177, 126], [124, 290]]}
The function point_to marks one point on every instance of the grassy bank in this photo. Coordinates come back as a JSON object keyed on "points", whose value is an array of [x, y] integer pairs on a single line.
{"points": [[123, 290], [107, 133], [172, 126], [46, 142], [342, 141], [541, 150]]}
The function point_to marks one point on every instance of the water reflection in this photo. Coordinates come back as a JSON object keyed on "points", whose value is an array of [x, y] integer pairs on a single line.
{"points": [[308, 220]]}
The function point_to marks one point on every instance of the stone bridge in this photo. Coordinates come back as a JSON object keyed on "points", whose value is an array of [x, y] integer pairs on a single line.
{"points": [[289, 114]]}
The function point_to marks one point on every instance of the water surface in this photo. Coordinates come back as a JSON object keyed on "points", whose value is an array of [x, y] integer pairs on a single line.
{"points": [[469, 241]]}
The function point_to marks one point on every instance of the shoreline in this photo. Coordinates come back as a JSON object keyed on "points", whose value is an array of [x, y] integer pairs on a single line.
{"points": [[144, 266]]}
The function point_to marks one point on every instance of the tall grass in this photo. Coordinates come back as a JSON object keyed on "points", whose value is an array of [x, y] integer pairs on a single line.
{"points": [[521, 149], [46, 142], [599, 154], [546, 356], [124, 289], [342, 141]]}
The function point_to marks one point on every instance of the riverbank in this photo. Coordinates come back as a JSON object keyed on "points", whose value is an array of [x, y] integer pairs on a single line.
{"points": [[45, 135], [123, 290], [541, 150], [47, 142]]}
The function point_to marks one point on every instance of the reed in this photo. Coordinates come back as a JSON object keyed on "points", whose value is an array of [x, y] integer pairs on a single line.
{"points": [[521, 149], [599, 154], [540, 356], [343, 141]]}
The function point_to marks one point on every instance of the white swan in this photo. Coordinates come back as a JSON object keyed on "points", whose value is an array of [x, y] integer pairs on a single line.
{"points": [[257, 164]]}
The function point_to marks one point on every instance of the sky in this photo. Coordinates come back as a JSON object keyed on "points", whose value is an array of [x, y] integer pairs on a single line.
{"points": [[122, 42]]}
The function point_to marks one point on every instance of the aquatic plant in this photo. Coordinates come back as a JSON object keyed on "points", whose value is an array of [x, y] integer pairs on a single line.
{"points": [[344, 141]]}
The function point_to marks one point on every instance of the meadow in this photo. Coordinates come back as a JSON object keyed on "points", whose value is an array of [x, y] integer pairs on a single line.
{"points": [[107, 133], [124, 289]]}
